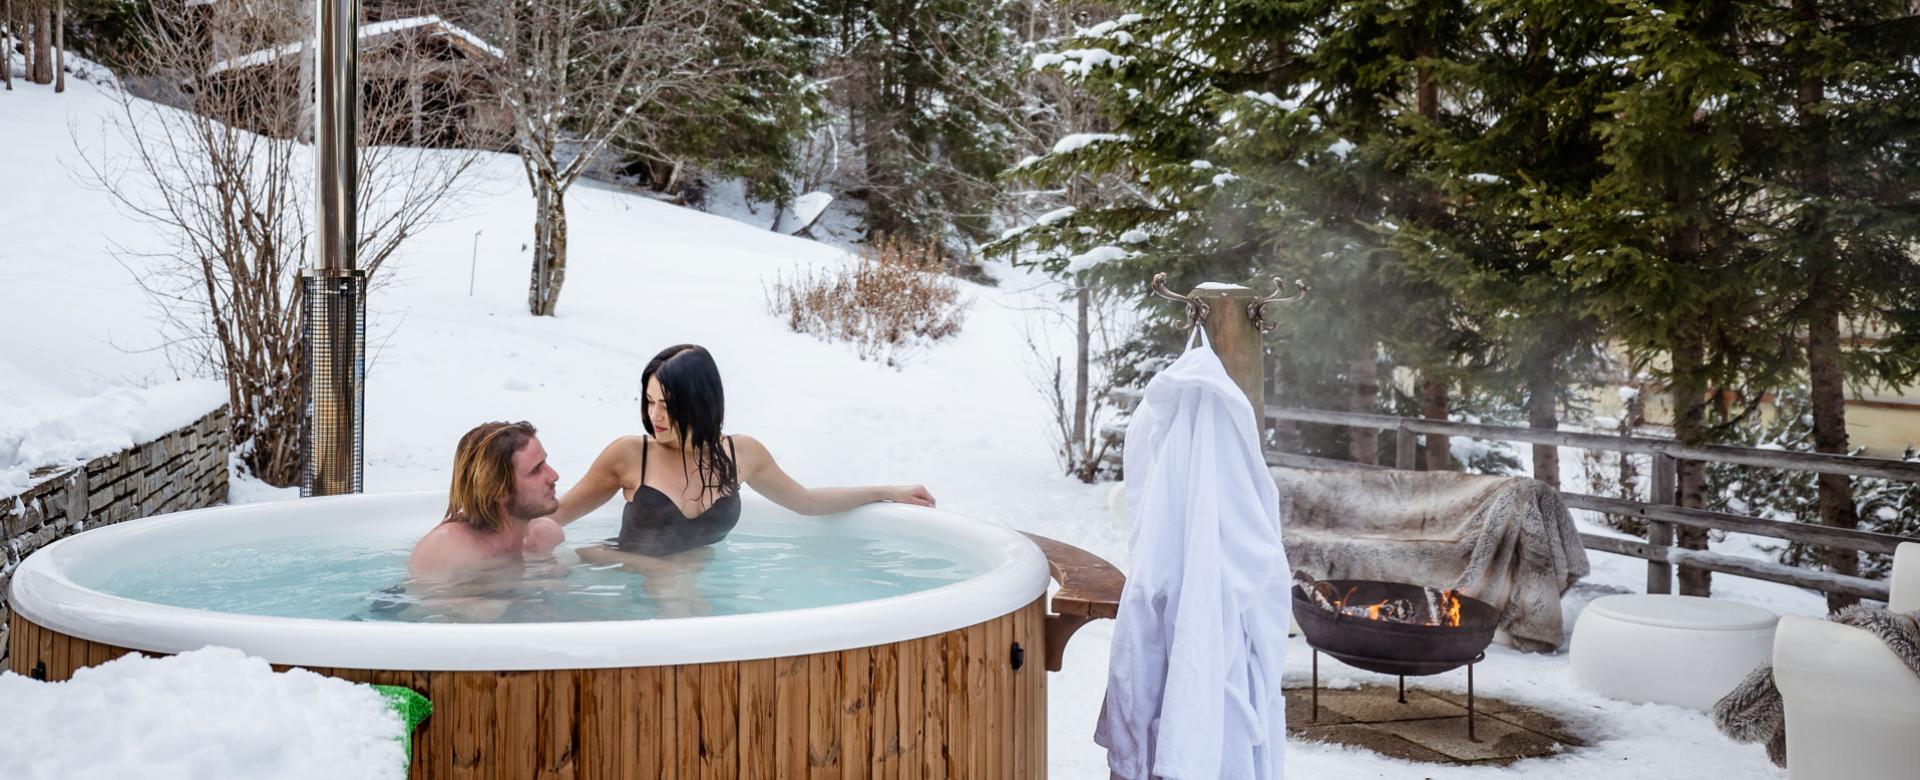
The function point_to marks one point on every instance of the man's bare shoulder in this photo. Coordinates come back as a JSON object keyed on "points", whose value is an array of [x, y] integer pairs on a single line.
{"points": [[446, 549]]}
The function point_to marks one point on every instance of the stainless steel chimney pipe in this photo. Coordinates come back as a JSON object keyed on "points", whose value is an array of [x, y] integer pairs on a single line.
{"points": [[336, 132], [334, 288]]}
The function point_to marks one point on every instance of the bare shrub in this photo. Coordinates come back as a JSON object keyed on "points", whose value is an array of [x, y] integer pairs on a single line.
{"points": [[230, 192], [890, 304]]}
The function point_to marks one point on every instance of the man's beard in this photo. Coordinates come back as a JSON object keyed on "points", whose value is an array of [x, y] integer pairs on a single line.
{"points": [[524, 509]]}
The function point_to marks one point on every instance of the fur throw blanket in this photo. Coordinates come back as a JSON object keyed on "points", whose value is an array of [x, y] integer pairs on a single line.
{"points": [[1507, 541], [1754, 712]]}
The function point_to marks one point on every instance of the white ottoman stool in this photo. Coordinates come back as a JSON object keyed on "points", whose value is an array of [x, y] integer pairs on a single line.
{"points": [[1683, 650]]}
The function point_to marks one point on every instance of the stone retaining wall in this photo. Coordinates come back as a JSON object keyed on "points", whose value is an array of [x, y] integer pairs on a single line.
{"points": [[185, 469]]}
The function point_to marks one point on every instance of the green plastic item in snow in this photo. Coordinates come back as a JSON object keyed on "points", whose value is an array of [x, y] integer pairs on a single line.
{"points": [[412, 708]]}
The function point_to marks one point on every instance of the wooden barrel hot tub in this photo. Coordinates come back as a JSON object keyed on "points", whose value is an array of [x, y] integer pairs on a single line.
{"points": [[949, 682]]}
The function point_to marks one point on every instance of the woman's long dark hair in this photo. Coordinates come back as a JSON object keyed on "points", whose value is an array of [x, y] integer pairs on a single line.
{"points": [[697, 405]]}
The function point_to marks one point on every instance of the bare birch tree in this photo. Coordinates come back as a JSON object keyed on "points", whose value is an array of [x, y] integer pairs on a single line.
{"points": [[579, 73], [234, 207]]}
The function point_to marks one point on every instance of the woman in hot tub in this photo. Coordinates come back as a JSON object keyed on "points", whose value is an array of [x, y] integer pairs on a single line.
{"points": [[682, 481]]}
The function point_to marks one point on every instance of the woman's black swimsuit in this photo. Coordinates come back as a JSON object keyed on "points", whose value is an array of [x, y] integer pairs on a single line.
{"points": [[653, 524]]}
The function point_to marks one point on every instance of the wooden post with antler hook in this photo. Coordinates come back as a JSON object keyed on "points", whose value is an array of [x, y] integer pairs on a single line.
{"points": [[1234, 319]]}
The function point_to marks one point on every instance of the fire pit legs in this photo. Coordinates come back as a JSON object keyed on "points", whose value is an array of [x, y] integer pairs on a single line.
{"points": [[1470, 736], [1315, 716], [1313, 713]]}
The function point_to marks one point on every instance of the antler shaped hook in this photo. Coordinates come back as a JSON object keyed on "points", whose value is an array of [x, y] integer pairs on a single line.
{"points": [[1257, 309], [1197, 310]]}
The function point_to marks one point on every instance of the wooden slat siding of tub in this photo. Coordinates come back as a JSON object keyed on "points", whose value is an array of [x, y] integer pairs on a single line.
{"points": [[823, 716], [624, 756], [630, 747], [959, 737], [660, 729], [559, 719], [1000, 728], [947, 705], [907, 698], [1012, 731], [1033, 675], [19, 632], [473, 735], [790, 717], [54, 669], [1016, 705], [720, 720], [982, 705], [103, 653], [933, 709], [759, 711], [519, 737], [884, 725], [62, 648], [856, 711], [687, 695], [970, 724], [993, 667], [1036, 715], [598, 752]]}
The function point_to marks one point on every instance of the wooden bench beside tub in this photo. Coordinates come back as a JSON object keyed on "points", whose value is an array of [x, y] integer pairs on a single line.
{"points": [[1089, 590]]}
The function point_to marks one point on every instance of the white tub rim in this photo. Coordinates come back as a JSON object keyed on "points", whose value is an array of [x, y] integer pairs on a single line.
{"points": [[43, 593]]}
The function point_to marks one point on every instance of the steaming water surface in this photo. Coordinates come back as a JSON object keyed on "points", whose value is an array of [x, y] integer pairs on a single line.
{"points": [[767, 564]]}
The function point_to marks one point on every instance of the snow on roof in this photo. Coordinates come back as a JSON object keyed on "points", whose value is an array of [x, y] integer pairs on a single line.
{"points": [[369, 30]]}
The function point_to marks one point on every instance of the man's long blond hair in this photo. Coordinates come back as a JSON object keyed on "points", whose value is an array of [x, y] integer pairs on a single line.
{"points": [[483, 474]]}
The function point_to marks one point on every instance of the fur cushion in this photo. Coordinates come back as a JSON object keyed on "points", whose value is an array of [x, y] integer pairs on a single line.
{"points": [[1754, 711]]}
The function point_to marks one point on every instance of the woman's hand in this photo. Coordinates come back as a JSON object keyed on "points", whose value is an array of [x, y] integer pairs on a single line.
{"points": [[908, 494]]}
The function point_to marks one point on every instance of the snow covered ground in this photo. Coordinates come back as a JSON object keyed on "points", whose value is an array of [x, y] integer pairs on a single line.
{"points": [[151, 718], [961, 417]]}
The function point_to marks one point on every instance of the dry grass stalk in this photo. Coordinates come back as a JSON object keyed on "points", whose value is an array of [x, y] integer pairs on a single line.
{"points": [[889, 305]]}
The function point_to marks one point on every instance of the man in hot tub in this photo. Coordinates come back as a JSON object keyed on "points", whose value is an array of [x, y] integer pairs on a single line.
{"points": [[497, 510]]}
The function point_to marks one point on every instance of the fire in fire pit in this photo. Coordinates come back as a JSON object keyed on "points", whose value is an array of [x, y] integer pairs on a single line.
{"points": [[1432, 608]]}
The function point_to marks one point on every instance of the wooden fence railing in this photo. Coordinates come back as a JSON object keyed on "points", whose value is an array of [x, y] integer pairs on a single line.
{"points": [[1662, 514], [1232, 318]]}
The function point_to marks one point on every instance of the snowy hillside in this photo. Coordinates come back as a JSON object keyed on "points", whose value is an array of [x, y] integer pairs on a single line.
{"points": [[961, 417]]}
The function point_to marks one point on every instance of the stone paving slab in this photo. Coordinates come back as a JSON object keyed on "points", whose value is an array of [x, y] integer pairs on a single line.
{"points": [[1361, 735], [1480, 703], [1496, 741], [1543, 724], [1367, 705], [1430, 727]]}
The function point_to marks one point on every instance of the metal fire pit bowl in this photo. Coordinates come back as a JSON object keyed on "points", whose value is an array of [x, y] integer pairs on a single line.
{"points": [[1390, 647]]}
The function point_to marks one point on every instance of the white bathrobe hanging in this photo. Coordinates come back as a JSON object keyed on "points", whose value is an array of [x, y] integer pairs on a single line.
{"points": [[1200, 641]]}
